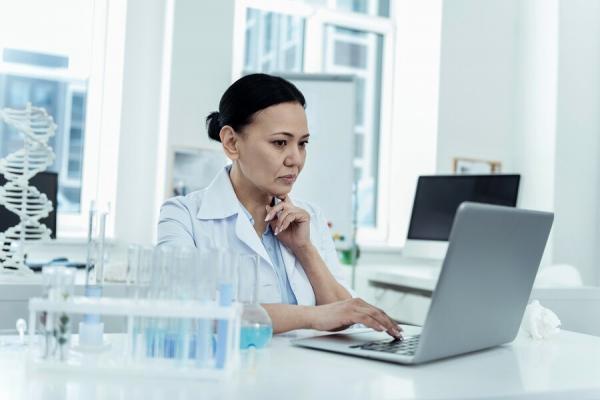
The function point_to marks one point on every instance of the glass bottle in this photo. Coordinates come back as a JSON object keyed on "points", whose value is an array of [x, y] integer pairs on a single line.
{"points": [[257, 328]]}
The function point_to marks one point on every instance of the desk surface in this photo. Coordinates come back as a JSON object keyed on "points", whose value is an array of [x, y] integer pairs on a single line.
{"points": [[567, 365]]}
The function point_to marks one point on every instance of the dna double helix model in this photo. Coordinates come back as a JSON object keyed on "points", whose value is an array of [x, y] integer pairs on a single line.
{"points": [[35, 127]]}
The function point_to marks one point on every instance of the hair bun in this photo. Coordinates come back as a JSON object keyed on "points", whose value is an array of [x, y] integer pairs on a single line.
{"points": [[213, 125], [245, 97]]}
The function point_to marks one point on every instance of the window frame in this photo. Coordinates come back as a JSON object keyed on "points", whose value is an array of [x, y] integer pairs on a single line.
{"points": [[102, 119], [317, 18]]}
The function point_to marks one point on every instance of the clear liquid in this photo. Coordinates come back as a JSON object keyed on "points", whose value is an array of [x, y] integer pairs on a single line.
{"points": [[255, 336], [93, 291]]}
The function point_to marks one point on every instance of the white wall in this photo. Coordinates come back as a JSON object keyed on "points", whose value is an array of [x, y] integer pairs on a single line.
{"points": [[535, 106], [577, 193], [520, 83], [139, 130], [535, 102], [201, 67], [477, 82], [415, 105]]}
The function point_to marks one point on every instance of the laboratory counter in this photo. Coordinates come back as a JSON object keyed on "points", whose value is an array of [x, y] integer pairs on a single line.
{"points": [[566, 366]]}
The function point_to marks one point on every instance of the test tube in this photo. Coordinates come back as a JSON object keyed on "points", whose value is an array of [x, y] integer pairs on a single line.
{"points": [[179, 335], [95, 251], [151, 324], [47, 318], [205, 270], [226, 283], [142, 326], [63, 291], [95, 256], [58, 286], [133, 266], [161, 288], [91, 329]]}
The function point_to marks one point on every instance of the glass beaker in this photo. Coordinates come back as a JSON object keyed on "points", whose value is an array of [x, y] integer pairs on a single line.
{"points": [[257, 328]]}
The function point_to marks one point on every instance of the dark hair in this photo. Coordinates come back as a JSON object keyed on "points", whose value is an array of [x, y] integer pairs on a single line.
{"points": [[248, 95]]}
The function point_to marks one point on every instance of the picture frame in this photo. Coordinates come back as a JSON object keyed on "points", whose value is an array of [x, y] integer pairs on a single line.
{"points": [[467, 165]]}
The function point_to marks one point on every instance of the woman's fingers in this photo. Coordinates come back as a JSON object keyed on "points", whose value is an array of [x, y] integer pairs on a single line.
{"points": [[286, 218], [381, 318], [284, 221], [352, 311], [390, 326], [370, 322], [285, 203], [276, 223], [272, 211]]}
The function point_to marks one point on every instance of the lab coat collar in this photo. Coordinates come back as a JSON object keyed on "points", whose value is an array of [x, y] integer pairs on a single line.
{"points": [[219, 200]]}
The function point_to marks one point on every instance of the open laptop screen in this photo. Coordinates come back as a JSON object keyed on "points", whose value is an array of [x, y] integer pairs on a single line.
{"points": [[437, 198]]}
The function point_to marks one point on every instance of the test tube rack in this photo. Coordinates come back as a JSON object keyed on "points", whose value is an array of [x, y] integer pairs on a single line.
{"points": [[121, 359]]}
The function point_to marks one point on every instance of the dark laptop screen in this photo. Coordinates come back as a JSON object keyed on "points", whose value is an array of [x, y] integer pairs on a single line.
{"points": [[46, 182], [438, 197]]}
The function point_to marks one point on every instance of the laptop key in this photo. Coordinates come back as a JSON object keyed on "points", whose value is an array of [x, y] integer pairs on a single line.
{"points": [[406, 346]]}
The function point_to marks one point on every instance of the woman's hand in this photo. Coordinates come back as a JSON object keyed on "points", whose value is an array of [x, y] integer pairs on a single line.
{"points": [[291, 224], [342, 314]]}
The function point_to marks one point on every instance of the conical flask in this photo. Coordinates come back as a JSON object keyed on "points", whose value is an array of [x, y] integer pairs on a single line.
{"points": [[257, 328]]}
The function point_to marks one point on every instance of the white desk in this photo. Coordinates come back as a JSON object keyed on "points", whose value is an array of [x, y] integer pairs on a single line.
{"points": [[568, 366]]}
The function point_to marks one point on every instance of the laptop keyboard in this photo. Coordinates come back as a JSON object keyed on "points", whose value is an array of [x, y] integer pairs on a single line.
{"points": [[406, 347]]}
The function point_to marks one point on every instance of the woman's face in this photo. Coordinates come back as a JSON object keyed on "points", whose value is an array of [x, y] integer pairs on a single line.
{"points": [[272, 149]]}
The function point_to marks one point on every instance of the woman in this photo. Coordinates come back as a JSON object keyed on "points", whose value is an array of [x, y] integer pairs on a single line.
{"points": [[262, 127]]}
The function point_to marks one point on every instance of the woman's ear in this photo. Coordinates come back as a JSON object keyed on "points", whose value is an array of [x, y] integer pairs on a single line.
{"points": [[229, 141]]}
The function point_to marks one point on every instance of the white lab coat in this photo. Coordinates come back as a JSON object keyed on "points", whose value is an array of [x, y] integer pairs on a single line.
{"points": [[214, 216]]}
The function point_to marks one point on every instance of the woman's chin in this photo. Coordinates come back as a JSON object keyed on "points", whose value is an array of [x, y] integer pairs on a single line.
{"points": [[281, 192]]}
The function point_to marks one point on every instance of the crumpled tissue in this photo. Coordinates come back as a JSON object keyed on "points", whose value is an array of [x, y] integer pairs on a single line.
{"points": [[540, 322]]}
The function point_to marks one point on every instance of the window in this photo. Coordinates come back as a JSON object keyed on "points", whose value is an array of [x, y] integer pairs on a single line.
{"points": [[274, 42], [358, 52], [49, 70], [53, 55], [332, 36], [379, 8]]}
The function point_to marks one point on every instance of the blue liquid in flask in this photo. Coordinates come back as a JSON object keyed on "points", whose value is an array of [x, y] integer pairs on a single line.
{"points": [[257, 336]]}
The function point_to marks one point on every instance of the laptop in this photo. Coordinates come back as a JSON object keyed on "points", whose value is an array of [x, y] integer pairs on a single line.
{"points": [[487, 275]]}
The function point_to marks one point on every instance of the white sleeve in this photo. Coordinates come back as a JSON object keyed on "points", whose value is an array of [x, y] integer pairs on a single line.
{"points": [[175, 224], [329, 253]]}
